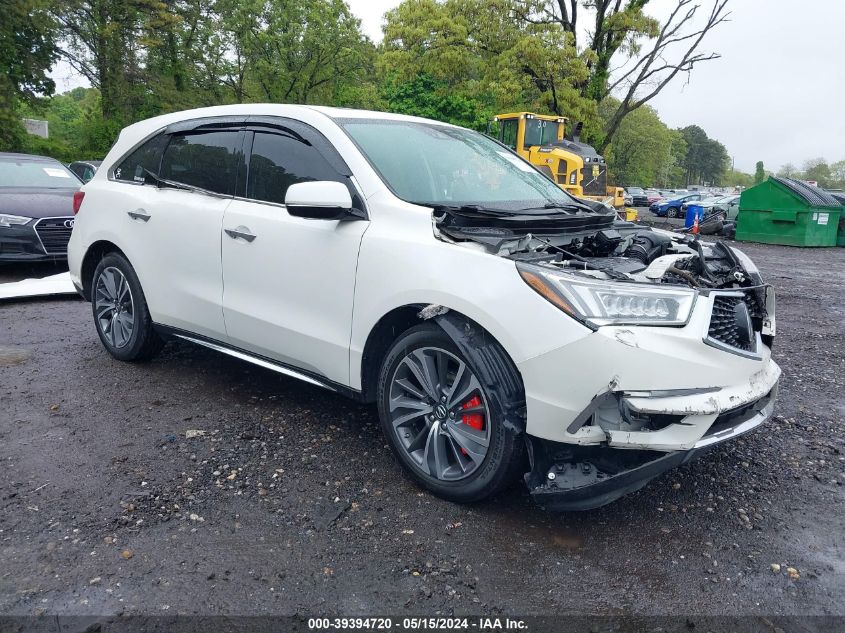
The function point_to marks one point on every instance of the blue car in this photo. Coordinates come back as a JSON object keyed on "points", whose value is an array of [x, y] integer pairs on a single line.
{"points": [[672, 208]]}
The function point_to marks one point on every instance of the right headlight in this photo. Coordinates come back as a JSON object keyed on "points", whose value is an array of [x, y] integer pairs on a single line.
{"points": [[597, 302], [7, 220]]}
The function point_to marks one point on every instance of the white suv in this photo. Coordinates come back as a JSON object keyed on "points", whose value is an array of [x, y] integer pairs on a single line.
{"points": [[501, 326]]}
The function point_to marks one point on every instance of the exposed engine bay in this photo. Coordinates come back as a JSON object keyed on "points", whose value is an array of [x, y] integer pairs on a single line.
{"points": [[600, 245]]}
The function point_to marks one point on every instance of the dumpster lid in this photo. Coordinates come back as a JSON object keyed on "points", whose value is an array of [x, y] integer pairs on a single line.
{"points": [[811, 195]]}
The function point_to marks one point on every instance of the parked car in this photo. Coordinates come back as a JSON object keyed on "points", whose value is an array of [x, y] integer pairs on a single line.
{"points": [[638, 197], [85, 169], [354, 250], [728, 204], [672, 206], [652, 196], [36, 208]]}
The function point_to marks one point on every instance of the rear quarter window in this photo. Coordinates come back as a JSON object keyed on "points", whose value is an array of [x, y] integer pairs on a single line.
{"points": [[145, 157]]}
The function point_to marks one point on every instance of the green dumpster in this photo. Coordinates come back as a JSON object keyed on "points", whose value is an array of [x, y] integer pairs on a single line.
{"points": [[788, 211]]}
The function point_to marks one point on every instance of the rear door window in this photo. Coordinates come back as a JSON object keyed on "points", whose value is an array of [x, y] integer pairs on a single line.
{"points": [[204, 159], [279, 160]]}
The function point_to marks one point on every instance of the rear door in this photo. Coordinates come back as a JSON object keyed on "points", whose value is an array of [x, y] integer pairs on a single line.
{"points": [[174, 233], [289, 284]]}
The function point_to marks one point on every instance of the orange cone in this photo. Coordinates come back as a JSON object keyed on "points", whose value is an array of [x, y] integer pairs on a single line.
{"points": [[695, 225]]}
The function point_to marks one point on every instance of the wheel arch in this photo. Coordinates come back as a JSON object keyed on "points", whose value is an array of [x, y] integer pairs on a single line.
{"points": [[474, 341], [93, 255]]}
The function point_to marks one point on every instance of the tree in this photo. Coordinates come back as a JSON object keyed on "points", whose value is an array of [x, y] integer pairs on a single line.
{"points": [[641, 151], [818, 170], [27, 51], [481, 50], [735, 178], [652, 53], [706, 160], [294, 52], [426, 97], [759, 173], [837, 174], [788, 171], [103, 40]]}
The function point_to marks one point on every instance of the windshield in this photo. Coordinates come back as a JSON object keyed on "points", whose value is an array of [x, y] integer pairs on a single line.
{"points": [[539, 132], [434, 165], [635, 191], [33, 173]]}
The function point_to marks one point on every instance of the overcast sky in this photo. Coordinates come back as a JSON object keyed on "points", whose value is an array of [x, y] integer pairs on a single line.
{"points": [[776, 95]]}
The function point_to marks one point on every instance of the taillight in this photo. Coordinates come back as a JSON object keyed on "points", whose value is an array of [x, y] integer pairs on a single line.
{"points": [[77, 201]]}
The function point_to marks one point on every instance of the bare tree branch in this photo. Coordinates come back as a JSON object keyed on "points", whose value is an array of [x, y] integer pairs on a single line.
{"points": [[659, 66]]}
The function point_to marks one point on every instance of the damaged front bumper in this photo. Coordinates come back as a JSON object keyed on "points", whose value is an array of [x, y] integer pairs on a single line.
{"points": [[578, 477], [670, 397]]}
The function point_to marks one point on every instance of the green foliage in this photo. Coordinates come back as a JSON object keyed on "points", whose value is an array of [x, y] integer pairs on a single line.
{"points": [[426, 97], [818, 170], [27, 50], [827, 175], [644, 152], [706, 159], [759, 173], [734, 178], [77, 128], [461, 61], [485, 52]]}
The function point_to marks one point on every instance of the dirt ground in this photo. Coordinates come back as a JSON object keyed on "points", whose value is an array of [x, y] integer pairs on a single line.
{"points": [[290, 502]]}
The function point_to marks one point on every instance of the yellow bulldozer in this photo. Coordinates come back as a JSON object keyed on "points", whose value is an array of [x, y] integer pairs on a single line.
{"points": [[575, 166]]}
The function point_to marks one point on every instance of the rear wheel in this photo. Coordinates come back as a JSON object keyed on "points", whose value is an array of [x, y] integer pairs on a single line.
{"points": [[444, 421], [120, 311]]}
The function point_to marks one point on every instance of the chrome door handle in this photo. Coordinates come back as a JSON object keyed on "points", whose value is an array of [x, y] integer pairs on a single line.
{"points": [[139, 214], [240, 233]]}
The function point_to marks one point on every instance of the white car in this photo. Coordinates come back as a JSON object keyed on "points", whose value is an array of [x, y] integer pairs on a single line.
{"points": [[501, 326]]}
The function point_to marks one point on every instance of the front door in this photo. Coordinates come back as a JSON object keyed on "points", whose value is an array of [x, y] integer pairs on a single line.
{"points": [[289, 282]]}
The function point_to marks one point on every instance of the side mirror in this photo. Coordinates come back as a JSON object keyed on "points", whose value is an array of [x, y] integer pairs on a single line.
{"points": [[320, 200]]}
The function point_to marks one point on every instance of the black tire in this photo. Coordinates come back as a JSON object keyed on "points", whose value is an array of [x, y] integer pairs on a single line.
{"points": [[503, 395], [673, 212], [143, 342]]}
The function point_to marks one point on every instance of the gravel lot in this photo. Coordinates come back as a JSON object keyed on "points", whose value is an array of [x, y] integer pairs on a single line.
{"points": [[290, 502]]}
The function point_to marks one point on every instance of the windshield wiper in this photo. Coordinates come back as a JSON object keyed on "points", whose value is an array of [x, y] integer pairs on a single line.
{"points": [[556, 205]]}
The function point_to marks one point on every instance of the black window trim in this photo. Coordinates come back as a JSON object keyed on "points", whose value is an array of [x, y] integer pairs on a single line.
{"points": [[215, 124], [283, 126]]}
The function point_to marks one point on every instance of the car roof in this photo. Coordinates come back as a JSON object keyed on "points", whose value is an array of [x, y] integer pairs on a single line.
{"points": [[9, 156], [269, 109]]}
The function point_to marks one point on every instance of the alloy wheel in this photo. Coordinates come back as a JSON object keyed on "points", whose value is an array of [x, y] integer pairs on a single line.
{"points": [[114, 307], [439, 413]]}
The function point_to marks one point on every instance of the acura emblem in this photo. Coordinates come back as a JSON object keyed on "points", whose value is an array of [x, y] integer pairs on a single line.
{"points": [[68, 224]]}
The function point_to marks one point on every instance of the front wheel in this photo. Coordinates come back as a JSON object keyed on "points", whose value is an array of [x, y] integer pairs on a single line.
{"points": [[673, 213], [453, 430], [121, 316]]}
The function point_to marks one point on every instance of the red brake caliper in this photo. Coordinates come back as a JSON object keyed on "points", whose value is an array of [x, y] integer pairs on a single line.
{"points": [[475, 420]]}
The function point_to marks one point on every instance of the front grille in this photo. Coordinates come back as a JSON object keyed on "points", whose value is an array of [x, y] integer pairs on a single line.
{"points": [[728, 326], [594, 185], [54, 235], [639, 201]]}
